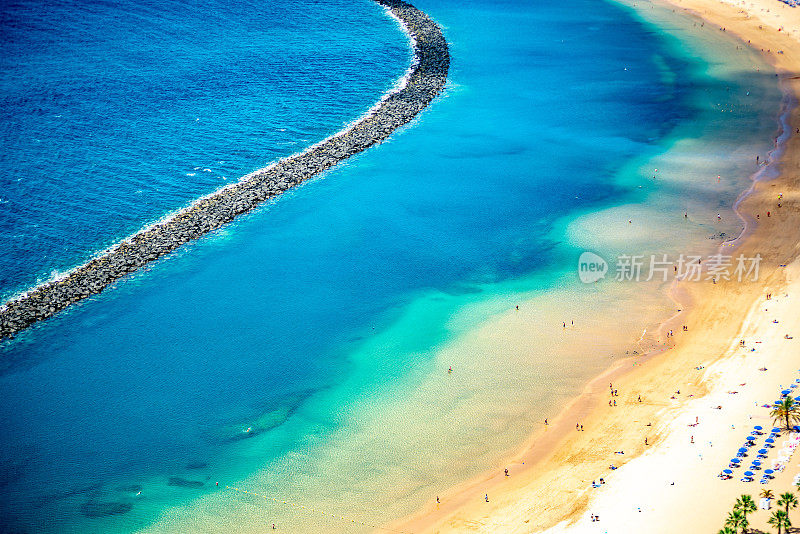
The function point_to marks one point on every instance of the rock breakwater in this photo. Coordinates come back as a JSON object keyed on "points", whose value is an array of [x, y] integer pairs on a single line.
{"points": [[425, 79]]}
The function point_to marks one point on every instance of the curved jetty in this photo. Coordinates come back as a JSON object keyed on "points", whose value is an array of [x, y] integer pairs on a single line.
{"points": [[426, 79]]}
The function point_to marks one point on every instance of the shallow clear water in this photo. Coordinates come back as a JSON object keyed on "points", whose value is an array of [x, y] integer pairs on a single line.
{"points": [[299, 351]]}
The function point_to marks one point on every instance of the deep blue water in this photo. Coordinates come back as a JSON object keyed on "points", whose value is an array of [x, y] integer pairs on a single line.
{"points": [[248, 327], [113, 115]]}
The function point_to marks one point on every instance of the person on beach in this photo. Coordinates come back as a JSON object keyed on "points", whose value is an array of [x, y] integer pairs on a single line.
{"points": [[506, 471], [645, 441], [486, 497]]}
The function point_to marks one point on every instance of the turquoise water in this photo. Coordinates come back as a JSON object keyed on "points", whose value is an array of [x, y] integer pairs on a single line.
{"points": [[264, 352]]}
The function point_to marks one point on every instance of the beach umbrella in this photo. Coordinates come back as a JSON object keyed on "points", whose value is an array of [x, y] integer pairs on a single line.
{"points": [[727, 471], [776, 430], [768, 471], [769, 440], [785, 392], [743, 450], [736, 461], [762, 451], [748, 473], [758, 427], [750, 438]]}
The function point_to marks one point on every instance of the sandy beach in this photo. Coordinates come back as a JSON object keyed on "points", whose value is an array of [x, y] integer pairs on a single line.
{"points": [[696, 397]]}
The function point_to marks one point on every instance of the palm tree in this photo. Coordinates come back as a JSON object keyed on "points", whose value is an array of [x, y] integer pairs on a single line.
{"points": [[737, 520], [726, 530], [745, 504], [767, 494], [787, 412], [788, 500], [780, 520]]}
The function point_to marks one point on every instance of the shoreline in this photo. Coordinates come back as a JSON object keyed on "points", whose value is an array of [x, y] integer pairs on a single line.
{"points": [[550, 458], [423, 81]]}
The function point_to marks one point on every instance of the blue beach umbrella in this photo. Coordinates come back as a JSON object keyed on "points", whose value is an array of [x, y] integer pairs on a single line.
{"points": [[762, 451], [758, 427], [750, 438], [748, 473], [768, 471], [776, 430], [727, 471], [769, 440], [786, 392], [735, 461], [743, 450]]}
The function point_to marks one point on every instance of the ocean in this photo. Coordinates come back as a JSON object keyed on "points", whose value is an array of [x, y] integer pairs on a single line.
{"points": [[302, 352]]}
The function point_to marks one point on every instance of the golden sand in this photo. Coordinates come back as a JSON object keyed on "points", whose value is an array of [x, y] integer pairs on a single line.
{"points": [[670, 484]]}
